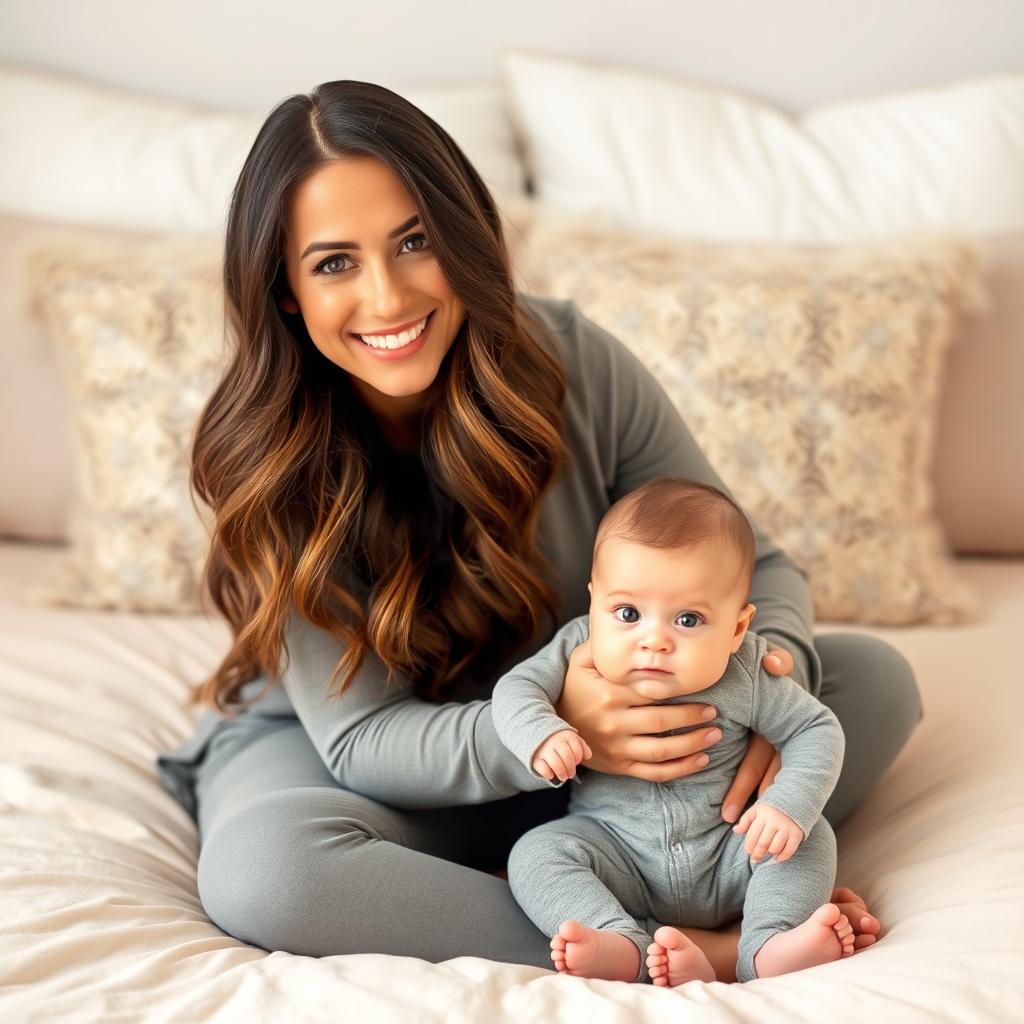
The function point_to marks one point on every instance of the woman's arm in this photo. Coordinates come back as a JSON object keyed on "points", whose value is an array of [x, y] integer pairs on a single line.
{"points": [[384, 742]]}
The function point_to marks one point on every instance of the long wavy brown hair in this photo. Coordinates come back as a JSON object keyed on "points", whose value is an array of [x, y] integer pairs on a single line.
{"points": [[312, 513]]}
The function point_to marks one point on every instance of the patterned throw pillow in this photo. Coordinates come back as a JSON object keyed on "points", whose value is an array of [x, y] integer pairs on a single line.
{"points": [[139, 335], [810, 378]]}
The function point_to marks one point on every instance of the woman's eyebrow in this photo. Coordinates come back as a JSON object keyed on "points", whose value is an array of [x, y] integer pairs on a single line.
{"points": [[318, 246]]}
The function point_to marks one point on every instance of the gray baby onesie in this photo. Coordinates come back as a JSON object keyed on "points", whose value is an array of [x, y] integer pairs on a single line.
{"points": [[631, 849]]}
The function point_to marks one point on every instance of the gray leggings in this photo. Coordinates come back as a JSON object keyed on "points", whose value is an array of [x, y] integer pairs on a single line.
{"points": [[291, 861]]}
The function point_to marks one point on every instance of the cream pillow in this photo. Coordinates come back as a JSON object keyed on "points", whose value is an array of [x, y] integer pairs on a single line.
{"points": [[139, 337], [810, 378], [654, 152], [82, 151]]}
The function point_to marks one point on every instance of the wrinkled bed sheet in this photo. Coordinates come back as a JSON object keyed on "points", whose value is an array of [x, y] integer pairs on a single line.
{"points": [[100, 919]]}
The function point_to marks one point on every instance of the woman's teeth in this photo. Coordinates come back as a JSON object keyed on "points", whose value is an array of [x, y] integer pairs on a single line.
{"points": [[394, 340]]}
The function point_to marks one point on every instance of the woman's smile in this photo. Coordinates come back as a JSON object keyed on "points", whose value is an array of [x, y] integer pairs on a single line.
{"points": [[391, 346]]}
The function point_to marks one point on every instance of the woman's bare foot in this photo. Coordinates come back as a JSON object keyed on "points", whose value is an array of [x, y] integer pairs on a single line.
{"points": [[589, 953], [673, 959], [825, 936], [866, 927]]}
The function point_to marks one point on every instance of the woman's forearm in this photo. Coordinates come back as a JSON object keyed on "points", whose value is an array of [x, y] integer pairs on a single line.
{"points": [[380, 740]]}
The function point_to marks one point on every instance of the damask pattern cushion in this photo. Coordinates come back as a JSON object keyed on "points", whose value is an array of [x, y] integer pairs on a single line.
{"points": [[139, 338], [810, 378]]}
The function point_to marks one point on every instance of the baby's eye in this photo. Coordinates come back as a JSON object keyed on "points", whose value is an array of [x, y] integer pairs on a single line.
{"points": [[628, 614], [689, 619]]}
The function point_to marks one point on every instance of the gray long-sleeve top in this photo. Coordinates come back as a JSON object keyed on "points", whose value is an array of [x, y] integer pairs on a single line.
{"points": [[621, 430], [747, 697]]}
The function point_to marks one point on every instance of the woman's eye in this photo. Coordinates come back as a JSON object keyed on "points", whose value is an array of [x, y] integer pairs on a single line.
{"points": [[323, 268], [627, 613], [689, 619], [334, 265], [411, 237]]}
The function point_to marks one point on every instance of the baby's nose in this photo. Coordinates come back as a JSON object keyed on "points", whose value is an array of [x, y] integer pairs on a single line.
{"points": [[656, 640]]}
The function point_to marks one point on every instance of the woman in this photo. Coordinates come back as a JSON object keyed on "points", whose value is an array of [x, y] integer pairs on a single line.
{"points": [[407, 461]]}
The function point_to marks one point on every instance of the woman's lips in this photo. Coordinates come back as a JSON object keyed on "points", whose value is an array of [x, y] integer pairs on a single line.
{"points": [[412, 348]]}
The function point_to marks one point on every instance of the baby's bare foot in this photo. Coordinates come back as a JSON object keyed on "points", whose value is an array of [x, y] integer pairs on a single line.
{"points": [[866, 927], [673, 959], [589, 953], [825, 936]]}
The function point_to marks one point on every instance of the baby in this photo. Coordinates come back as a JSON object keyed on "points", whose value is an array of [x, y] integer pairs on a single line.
{"points": [[671, 574]]}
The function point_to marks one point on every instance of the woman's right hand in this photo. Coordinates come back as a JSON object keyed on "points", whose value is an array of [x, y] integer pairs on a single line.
{"points": [[617, 720]]}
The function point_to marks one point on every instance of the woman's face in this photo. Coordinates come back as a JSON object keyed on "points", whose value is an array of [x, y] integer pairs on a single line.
{"points": [[358, 263]]}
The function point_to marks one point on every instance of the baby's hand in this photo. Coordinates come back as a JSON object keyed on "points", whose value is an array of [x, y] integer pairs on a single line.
{"points": [[559, 754], [771, 831]]}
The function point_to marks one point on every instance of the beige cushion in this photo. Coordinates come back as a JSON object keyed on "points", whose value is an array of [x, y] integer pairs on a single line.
{"points": [[36, 471], [139, 337], [810, 377], [979, 461]]}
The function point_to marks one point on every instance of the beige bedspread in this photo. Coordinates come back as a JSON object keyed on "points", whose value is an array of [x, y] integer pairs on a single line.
{"points": [[100, 920]]}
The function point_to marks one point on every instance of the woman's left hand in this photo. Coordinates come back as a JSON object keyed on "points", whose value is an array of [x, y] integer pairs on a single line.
{"points": [[762, 761]]}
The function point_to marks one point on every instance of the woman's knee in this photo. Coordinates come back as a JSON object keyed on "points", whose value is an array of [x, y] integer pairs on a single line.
{"points": [[874, 674], [261, 872]]}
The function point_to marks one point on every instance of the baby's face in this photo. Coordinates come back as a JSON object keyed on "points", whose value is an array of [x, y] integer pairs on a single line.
{"points": [[675, 615]]}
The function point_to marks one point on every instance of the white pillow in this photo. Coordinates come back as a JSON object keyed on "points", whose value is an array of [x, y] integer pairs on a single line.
{"points": [[78, 151], [654, 153]]}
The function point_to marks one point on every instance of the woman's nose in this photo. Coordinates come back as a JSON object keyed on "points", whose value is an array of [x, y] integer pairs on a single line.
{"points": [[385, 294]]}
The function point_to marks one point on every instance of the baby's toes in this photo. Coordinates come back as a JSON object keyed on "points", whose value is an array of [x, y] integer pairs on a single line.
{"points": [[844, 932], [659, 975], [558, 951]]}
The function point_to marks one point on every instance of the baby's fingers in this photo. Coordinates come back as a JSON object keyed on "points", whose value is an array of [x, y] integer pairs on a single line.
{"points": [[753, 836], [790, 848], [541, 767], [763, 841], [579, 748], [744, 823], [563, 763], [778, 843]]}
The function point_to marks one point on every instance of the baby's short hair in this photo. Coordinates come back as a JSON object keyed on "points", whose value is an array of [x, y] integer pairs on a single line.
{"points": [[670, 512]]}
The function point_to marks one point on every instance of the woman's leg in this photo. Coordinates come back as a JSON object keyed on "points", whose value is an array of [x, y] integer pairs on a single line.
{"points": [[289, 860], [871, 689]]}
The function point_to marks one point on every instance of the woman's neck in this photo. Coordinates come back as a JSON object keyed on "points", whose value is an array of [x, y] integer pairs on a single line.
{"points": [[400, 419]]}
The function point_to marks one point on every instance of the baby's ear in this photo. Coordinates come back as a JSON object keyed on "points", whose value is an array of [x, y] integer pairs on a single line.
{"points": [[590, 589], [742, 625]]}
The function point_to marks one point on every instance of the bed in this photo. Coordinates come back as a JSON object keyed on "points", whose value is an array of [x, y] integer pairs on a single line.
{"points": [[101, 919]]}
